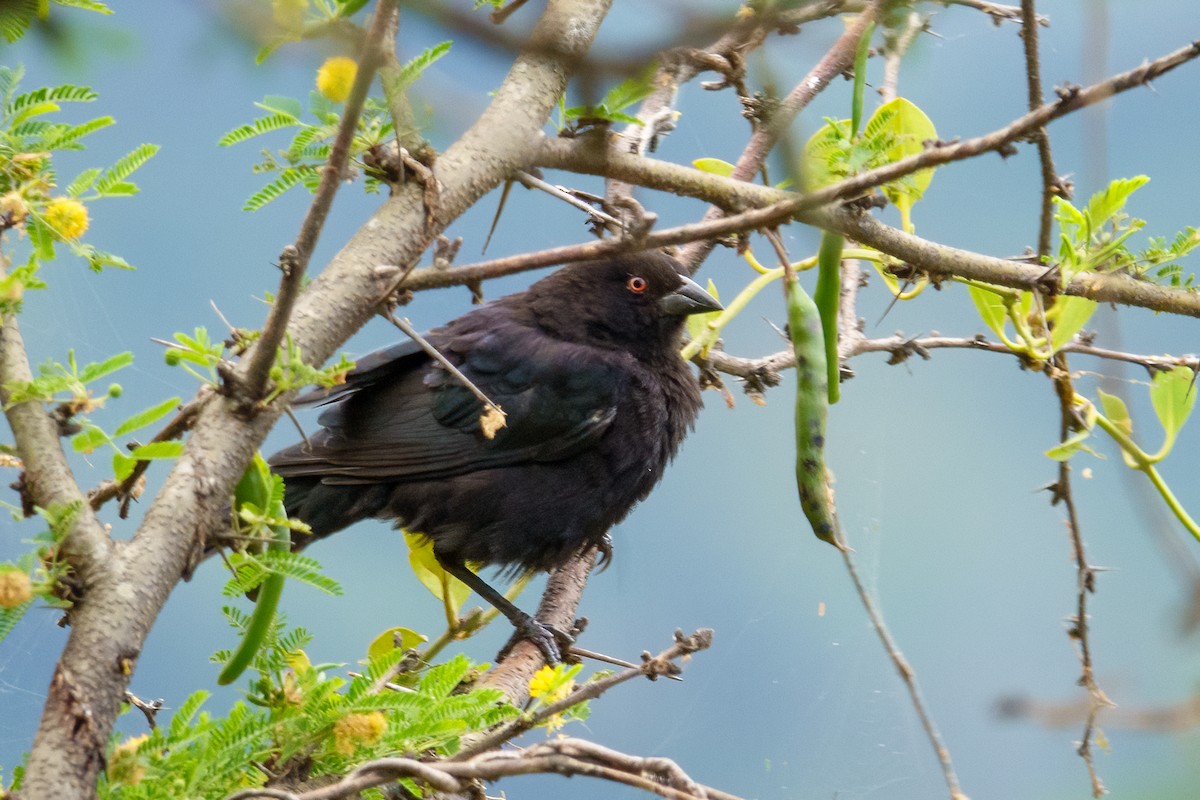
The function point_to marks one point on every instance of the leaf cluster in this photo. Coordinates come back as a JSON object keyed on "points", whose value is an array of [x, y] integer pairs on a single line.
{"points": [[17, 16], [301, 161], [610, 109], [29, 183], [1094, 239], [302, 723]]}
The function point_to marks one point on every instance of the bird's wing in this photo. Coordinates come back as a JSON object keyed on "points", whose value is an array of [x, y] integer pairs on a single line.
{"points": [[410, 419]]}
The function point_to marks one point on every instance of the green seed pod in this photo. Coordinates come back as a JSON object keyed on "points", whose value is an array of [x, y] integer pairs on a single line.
{"points": [[812, 405]]}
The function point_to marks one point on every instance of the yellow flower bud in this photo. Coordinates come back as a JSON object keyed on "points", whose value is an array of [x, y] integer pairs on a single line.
{"points": [[15, 587], [335, 77], [68, 217]]}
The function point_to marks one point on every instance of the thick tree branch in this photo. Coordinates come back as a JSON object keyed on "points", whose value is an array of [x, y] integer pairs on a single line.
{"points": [[929, 257]]}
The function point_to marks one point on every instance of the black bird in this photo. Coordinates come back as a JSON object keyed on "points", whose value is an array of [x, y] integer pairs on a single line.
{"points": [[585, 364]]}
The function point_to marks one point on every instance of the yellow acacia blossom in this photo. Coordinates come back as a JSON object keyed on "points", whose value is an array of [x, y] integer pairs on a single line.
{"points": [[543, 681], [68, 217], [335, 77], [15, 587], [123, 764], [354, 730]]}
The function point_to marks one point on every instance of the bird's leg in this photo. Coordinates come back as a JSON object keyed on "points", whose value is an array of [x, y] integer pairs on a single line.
{"points": [[544, 636]]}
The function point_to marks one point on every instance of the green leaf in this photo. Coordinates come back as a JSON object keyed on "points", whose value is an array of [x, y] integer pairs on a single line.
{"points": [[89, 5], [108, 366], [385, 642], [15, 18], [823, 159], [714, 165], [431, 574], [991, 308], [413, 68], [157, 450], [629, 91], [87, 440], [123, 466], [33, 110], [98, 259], [68, 136], [126, 166], [1173, 394], [147, 417], [260, 126], [1071, 313], [286, 180], [83, 181], [118, 189], [41, 237], [1073, 444], [1117, 412], [1108, 201], [908, 128], [278, 104]]}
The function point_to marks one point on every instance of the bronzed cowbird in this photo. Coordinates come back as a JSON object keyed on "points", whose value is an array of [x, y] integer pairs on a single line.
{"points": [[585, 364]]}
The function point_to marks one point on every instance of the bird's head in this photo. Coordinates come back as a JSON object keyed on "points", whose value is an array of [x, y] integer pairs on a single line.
{"points": [[636, 302]]}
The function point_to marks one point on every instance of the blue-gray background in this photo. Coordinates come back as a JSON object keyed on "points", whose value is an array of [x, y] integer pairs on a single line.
{"points": [[939, 463]]}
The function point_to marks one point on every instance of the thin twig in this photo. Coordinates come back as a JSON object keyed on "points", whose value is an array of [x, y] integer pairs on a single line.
{"points": [[907, 675], [252, 377], [406, 326], [651, 667], [1085, 572], [836, 60], [1051, 185], [997, 12], [897, 43], [534, 182], [149, 709], [585, 156], [903, 347]]}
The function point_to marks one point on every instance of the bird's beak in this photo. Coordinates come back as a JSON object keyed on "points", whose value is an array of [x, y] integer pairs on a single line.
{"points": [[690, 298]]}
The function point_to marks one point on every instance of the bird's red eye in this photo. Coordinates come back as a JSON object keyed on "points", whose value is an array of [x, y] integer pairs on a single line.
{"points": [[637, 284]]}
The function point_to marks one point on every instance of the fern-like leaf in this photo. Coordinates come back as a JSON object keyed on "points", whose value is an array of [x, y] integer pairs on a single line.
{"points": [[125, 166], [272, 122], [286, 180]]}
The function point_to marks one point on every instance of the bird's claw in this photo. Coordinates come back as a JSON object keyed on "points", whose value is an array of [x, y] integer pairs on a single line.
{"points": [[551, 641], [605, 549]]}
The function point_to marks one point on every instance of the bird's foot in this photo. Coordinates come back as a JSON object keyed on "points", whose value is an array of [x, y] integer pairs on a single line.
{"points": [[551, 641]]}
